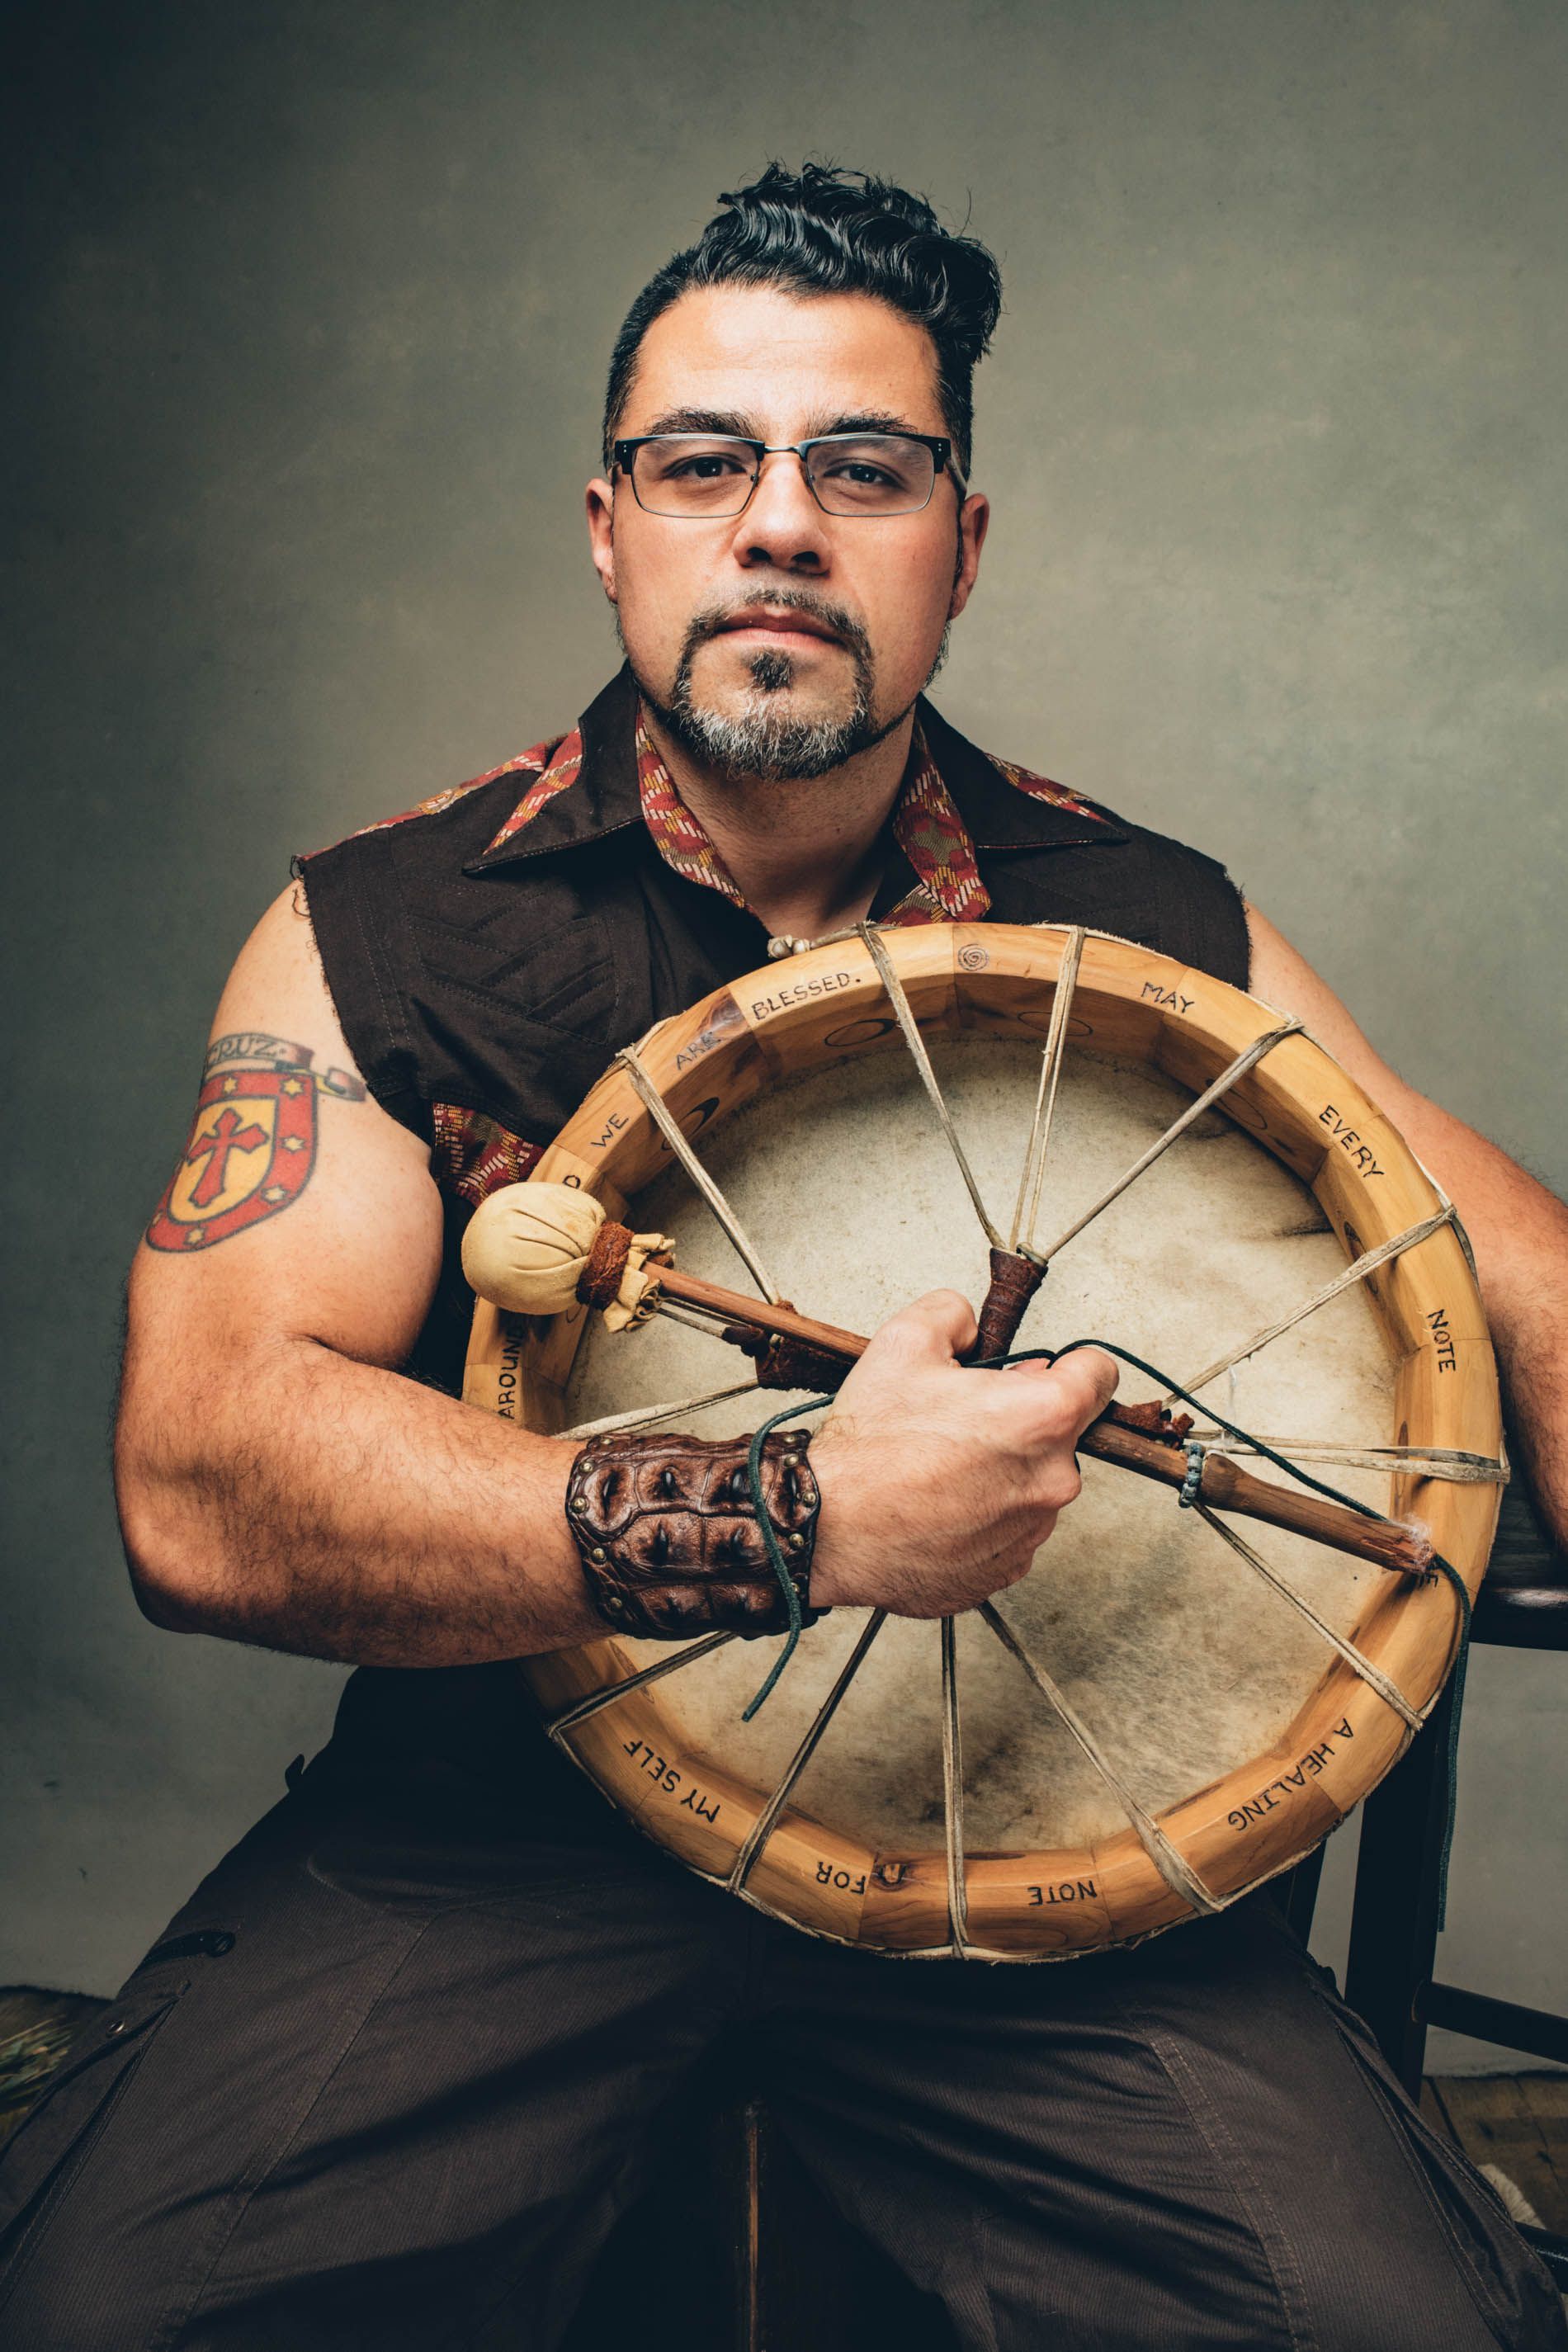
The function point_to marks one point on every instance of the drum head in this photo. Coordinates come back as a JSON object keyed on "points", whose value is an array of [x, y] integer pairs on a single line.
{"points": [[1183, 1720]]}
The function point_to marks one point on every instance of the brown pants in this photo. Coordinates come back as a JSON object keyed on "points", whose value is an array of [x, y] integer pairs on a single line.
{"points": [[404, 2104]]}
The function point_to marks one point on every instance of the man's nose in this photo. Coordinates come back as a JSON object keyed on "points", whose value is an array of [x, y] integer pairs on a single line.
{"points": [[783, 528]]}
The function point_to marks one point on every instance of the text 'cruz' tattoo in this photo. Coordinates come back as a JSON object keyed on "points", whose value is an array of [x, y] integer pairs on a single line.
{"points": [[252, 1145]]}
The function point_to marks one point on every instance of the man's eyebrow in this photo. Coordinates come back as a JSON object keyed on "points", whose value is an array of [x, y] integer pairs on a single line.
{"points": [[703, 420], [862, 420], [747, 428]]}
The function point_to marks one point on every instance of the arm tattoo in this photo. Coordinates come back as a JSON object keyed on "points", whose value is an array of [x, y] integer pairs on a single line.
{"points": [[252, 1145]]}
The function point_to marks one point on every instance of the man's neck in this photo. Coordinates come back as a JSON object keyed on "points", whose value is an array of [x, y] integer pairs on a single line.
{"points": [[807, 857]]}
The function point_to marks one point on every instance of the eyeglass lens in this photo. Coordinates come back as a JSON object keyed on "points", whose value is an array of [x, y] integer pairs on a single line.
{"points": [[858, 474]]}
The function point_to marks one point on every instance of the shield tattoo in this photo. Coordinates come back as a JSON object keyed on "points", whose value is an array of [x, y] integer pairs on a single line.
{"points": [[250, 1152]]}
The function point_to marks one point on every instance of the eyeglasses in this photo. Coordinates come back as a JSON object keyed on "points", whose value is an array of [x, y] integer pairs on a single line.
{"points": [[699, 477]]}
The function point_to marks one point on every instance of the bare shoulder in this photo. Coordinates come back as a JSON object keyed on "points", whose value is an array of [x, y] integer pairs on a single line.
{"points": [[277, 1010], [277, 1015], [1282, 976], [279, 965]]}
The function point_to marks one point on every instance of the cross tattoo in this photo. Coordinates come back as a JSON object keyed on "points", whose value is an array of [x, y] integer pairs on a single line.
{"points": [[228, 1135]]}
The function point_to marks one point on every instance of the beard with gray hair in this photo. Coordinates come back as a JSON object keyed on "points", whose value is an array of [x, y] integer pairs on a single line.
{"points": [[765, 741]]}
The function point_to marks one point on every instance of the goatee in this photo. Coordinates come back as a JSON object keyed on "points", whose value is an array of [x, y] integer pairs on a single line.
{"points": [[765, 741]]}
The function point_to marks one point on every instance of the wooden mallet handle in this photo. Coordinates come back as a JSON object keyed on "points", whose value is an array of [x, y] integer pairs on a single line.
{"points": [[1224, 1485]]}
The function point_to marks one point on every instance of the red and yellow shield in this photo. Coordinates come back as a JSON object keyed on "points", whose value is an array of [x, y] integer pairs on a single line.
{"points": [[250, 1151]]}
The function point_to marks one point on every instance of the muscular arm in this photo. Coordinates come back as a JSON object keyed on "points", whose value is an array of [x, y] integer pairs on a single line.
{"points": [[1519, 1232], [279, 1480]]}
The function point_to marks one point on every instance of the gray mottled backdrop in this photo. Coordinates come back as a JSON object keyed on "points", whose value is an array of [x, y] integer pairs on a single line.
{"points": [[314, 306]]}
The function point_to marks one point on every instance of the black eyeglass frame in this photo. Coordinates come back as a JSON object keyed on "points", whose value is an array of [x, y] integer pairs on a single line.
{"points": [[624, 453]]}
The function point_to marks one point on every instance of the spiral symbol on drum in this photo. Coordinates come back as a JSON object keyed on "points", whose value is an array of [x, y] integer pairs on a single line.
{"points": [[973, 957]]}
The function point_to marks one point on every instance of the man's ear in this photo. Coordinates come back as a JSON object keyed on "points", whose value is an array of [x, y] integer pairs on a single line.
{"points": [[600, 499], [974, 521]]}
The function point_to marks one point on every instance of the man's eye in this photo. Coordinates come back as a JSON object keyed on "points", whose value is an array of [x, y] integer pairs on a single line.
{"points": [[708, 468], [694, 462], [861, 472], [866, 470]]}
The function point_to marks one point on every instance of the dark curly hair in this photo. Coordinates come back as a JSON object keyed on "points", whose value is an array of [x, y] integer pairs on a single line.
{"points": [[821, 230]]}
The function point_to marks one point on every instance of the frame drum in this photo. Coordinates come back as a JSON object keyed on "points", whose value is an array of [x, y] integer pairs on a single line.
{"points": [[1172, 1705]]}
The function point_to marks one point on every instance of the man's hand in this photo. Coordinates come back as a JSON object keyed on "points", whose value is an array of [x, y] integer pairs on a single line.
{"points": [[938, 1485]]}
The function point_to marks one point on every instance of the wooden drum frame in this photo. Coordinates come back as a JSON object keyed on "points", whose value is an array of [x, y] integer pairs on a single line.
{"points": [[837, 999]]}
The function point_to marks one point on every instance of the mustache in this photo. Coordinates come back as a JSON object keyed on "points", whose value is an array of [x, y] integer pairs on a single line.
{"points": [[714, 618]]}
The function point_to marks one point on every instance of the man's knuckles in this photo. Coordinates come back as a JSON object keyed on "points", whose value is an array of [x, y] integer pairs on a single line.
{"points": [[1058, 1484], [1086, 1383], [931, 1329], [1059, 1410]]}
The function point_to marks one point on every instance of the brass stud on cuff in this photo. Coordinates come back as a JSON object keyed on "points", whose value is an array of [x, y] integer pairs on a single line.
{"points": [[598, 1555]]}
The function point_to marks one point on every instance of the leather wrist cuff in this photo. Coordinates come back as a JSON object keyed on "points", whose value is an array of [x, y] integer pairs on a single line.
{"points": [[669, 1539]]}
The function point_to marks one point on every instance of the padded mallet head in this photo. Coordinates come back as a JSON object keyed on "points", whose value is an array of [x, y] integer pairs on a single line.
{"points": [[527, 1249]]}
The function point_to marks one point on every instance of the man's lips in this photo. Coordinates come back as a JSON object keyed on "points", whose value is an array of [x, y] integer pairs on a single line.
{"points": [[757, 620]]}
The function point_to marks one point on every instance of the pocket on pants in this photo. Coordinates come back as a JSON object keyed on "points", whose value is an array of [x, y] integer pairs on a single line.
{"points": [[47, 2151]]}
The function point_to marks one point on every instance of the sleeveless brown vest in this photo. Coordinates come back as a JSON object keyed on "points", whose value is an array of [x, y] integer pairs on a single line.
{"points": [[483, 986]]}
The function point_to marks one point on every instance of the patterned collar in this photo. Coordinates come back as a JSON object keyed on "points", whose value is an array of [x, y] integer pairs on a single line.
{"points": [[944, 882], [607, 776]]}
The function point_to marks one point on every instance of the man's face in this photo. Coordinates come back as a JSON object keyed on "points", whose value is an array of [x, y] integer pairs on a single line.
{"points": [[780, 641]]}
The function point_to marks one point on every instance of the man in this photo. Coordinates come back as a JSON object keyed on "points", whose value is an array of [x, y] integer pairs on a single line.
{"points": [[391, 2074]]}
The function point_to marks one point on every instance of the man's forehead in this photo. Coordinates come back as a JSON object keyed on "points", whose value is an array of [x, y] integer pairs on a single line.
{"points": [[790, 363]]}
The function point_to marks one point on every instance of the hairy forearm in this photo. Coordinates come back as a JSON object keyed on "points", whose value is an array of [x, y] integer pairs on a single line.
{"points": [[307, 1502]]}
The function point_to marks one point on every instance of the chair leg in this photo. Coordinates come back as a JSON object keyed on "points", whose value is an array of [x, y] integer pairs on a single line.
{"points": [[1298, 1895], [1393, 1921], [749, 2246]]}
